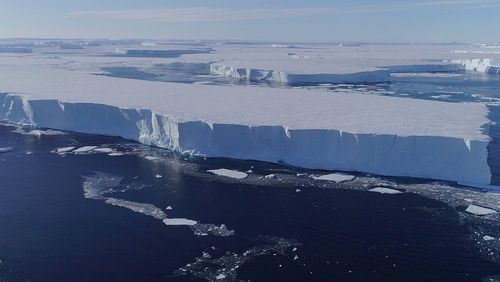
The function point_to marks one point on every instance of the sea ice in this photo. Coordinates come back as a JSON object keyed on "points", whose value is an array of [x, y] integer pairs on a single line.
{"points": [[335, 177], [385, 190], [6, 149], [179, 221], [84, 149], [64, 149], [270, 176], [229, 173], [488, 238], [104, 150], [478, 210]]}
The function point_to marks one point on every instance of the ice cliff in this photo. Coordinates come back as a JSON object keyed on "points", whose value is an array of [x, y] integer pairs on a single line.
{"points": [[437, 157]]}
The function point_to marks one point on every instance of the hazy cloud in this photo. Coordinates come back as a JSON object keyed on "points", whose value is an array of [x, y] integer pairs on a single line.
{"points": [[207, 14]]}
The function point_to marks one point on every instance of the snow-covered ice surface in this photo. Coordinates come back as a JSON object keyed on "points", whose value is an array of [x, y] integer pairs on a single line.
{"points": [[310, 128]]}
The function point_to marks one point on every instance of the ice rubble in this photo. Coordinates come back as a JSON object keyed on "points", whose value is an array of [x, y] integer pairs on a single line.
{"points": [[334, 131], [102, 186]]}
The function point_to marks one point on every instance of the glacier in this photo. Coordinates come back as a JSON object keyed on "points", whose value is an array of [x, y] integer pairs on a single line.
{"points": [[301, 127]]}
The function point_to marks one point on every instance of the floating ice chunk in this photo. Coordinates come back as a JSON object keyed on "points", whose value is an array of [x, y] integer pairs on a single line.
{"points": [[64, 149], [116, 154], [158, 175], [335, 177], [488, 238], [6, 149], [147, 209], [49, 132], [298, 190], [229, 173], [270, 176], [220, 276], [84, 149], [442, 96], [384, 190], [151, 158], [179, 221], [477, 210], [168, 208], [104, 150]]}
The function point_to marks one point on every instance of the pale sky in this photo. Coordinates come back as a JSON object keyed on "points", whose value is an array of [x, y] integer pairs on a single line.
{"points": [[269, 20]]}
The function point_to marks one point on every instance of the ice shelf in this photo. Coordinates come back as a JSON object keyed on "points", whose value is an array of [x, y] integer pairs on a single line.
{"points": [[301, 127]]}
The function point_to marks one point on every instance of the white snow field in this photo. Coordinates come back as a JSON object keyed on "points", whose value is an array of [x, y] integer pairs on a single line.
{"points": [[301, 127]]}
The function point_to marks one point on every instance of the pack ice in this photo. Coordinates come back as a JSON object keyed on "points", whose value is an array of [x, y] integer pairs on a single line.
{"points": [[301, 127]]}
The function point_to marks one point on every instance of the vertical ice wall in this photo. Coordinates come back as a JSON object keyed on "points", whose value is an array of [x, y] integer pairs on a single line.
{"points": [[436, 157]]}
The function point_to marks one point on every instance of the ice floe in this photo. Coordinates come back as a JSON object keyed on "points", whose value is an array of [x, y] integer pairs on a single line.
{"points": [[334, 177], [179, 221], [64, 149], [488, 238], [228, 173], [478, 210], [6, 149], [84, 149], [385, 190]]}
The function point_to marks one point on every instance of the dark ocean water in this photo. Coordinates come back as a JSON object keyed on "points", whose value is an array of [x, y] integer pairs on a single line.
{"points": [[49, 230]]}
